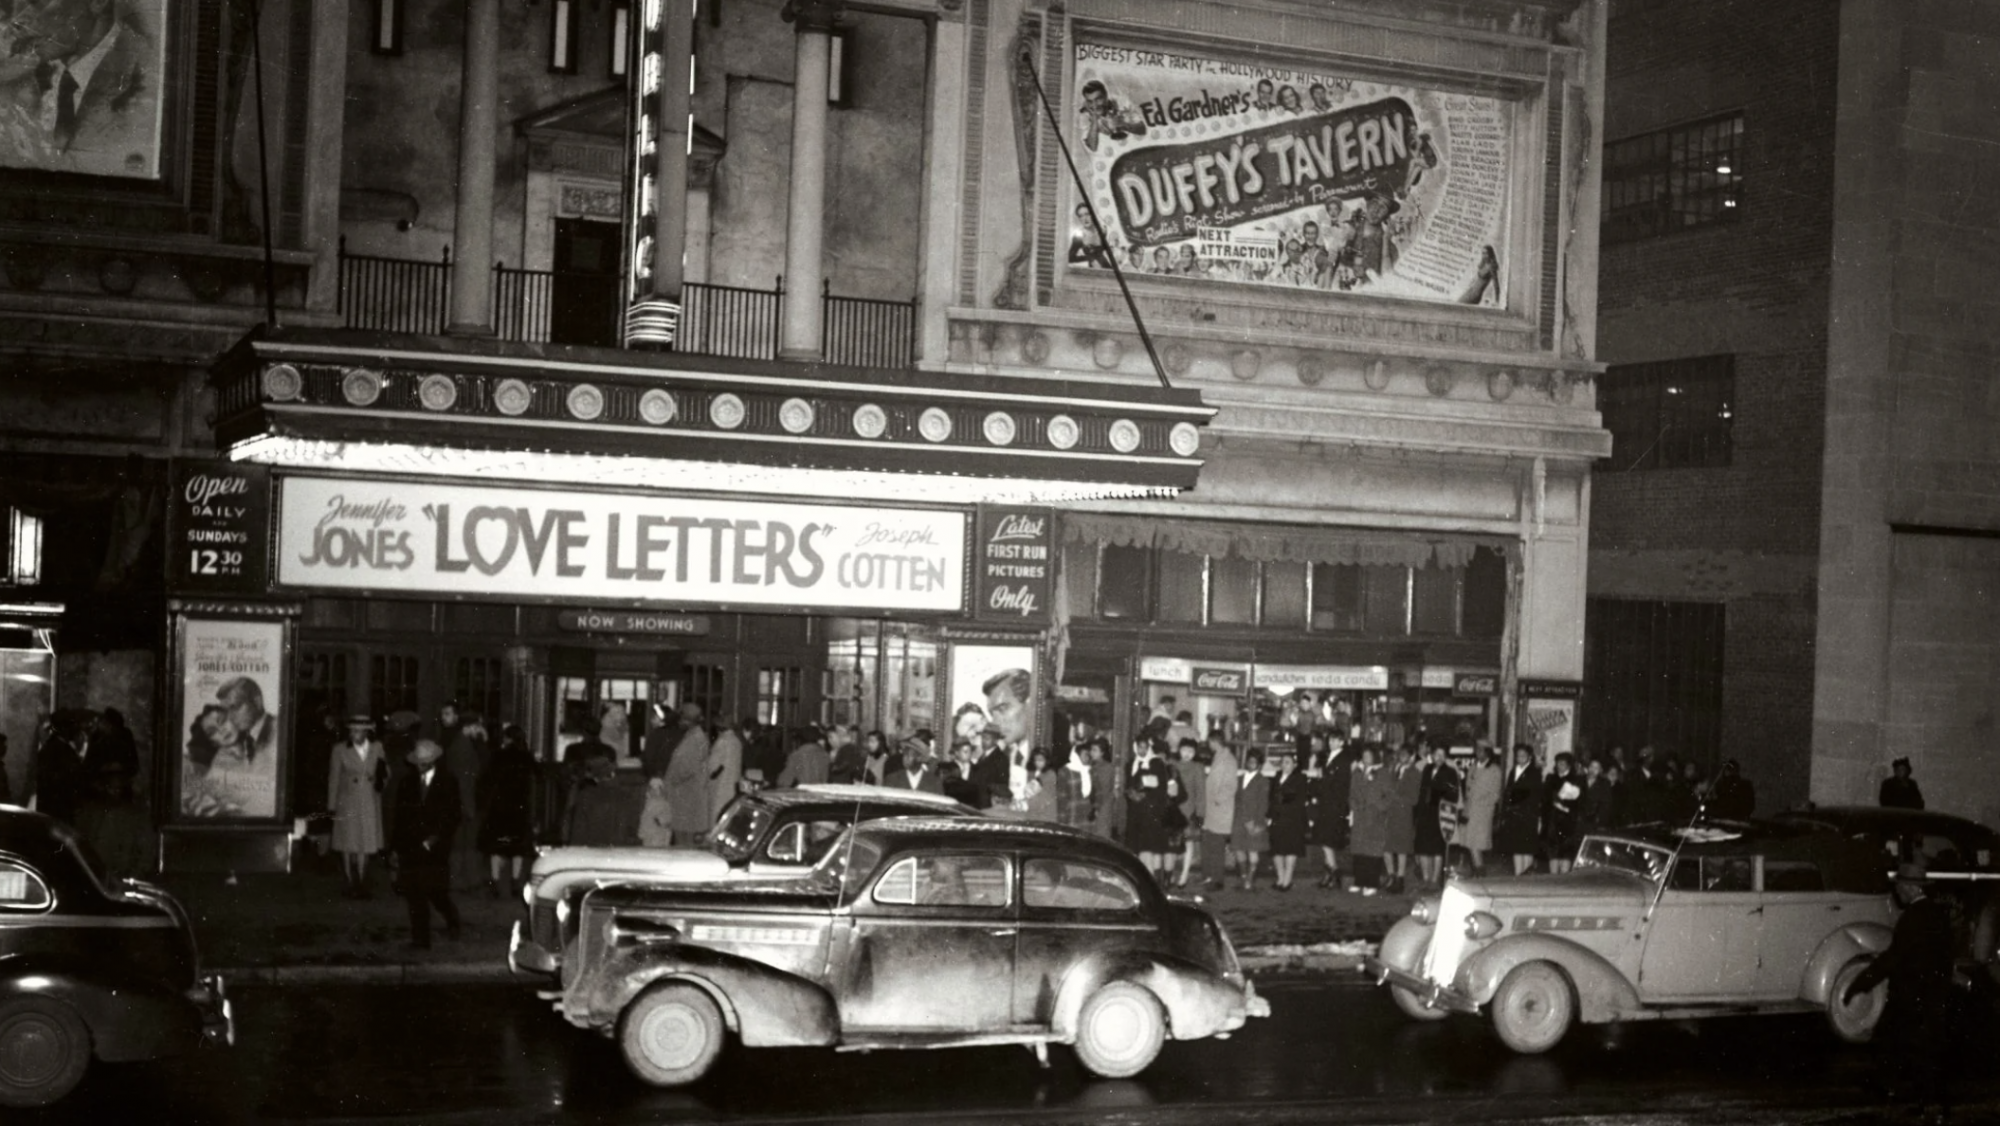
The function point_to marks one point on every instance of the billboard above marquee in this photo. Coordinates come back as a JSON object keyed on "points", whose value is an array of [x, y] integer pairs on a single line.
{"points": [[1224, 171], [534, 544]]}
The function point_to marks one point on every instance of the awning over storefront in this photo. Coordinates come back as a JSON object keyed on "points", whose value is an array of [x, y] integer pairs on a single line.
{"points": [[1269, 543], [379, 402]]}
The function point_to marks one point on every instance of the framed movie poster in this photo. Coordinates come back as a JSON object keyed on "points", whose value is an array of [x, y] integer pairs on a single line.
{"points": [[1221, 170], [82, 87], [993, 686], [230, 727]]}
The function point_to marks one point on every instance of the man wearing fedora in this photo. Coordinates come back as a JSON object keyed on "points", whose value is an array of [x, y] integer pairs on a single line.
{"points": [[1919, 967], [427, 817]]}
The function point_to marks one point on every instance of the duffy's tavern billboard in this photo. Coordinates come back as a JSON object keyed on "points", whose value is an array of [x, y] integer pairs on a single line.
{"points": [[1255, 175]]}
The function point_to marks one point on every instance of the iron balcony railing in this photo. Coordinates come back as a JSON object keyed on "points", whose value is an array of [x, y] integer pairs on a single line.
{"points": [[410, 295]]}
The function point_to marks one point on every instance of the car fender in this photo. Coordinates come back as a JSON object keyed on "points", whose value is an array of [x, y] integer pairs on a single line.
{"points": [[1403, 947], [1602, 993], [766, 1007], [1198, 1002], [128, 1019], [1855, 940]]}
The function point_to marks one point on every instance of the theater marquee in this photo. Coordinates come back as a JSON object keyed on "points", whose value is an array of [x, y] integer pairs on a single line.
{"points": [[545, 545], [1217, 170]]}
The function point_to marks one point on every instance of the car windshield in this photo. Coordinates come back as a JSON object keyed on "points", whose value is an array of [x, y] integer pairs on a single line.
{"points": [[848, 864], [738, 830], [1645, 860]]}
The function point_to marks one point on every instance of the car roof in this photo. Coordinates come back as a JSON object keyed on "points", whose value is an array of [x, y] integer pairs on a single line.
{"points": [[1848, 865], [992, 832], [831, 796], [1883, 820]]}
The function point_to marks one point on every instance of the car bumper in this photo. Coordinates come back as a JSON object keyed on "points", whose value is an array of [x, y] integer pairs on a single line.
{"points": [[1253, 1005], [1429, 992], [525, 955], [218, 1015]]}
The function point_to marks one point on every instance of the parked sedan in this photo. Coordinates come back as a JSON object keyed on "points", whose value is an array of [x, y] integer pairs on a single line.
{"points": [[912, 933], [90, 967], [1655, 922], [765, 835]]}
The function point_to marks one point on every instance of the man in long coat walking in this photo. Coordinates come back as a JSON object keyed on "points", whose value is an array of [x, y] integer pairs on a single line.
{"points": [[687, 779]]}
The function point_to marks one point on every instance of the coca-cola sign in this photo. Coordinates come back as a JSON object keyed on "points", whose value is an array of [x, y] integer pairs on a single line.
{"points": [[1476, 684], [219, 528], [1211, 681], [1016, 564]]}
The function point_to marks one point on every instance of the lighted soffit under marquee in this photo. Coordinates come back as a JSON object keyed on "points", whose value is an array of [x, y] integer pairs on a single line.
{"points": [[663, 473]]}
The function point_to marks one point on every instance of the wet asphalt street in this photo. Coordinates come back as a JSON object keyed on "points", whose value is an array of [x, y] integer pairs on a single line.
{"points": [[1333, 1051]]}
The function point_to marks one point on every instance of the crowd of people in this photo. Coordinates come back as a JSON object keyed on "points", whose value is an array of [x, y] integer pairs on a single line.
{"points": [[85, 772]]}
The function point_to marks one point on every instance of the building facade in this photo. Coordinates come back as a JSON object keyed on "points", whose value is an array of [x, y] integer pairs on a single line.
{"points": [[1791, 562], [1033, 363]]}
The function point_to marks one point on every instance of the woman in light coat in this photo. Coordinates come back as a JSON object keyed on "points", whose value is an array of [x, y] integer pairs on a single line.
{"points": [[1482, 797], [355, 774]]}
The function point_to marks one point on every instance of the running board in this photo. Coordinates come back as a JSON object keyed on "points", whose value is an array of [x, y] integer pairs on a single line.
{"points": [[898, 1041]]}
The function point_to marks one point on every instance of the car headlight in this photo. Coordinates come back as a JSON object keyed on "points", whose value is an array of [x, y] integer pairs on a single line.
{"points": [[528, 892], [1425, 911], [562, 911], [1481, 924]]}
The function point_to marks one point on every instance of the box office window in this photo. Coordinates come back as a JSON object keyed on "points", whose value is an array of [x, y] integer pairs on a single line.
{"points": [[1182, 579], [1232, 591], [1124, 582]]}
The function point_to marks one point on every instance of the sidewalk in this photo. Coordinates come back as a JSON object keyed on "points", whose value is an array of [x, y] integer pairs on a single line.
{"points": [[294, 929]]}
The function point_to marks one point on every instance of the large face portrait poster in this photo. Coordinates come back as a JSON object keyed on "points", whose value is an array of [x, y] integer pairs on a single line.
{"points": [[230, 737], [1257, 175], [993, 686], [81, 86]]}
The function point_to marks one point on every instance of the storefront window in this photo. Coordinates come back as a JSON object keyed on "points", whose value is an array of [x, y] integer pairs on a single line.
{"points": [[477, 684], [1182, 576], [1124, 582], [392, 684], [1434, 600], [1336, 597], [779, 691], [882, 676], [1232, 586]]}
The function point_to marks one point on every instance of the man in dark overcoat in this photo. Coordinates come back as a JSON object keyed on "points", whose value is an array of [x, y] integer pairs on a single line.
{"points": [[427, 818], [1919, 967]]}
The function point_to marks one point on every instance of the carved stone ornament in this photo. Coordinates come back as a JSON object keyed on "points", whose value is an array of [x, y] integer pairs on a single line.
{"points": [[513, 397], [796, 416], [1035, 347], [361, 386], [1499, 385], [1377, 376], [999, 428], [1245, 364], [1184, 439], [870, 421], [1312, 369], [1108, 352], [1562, 388], [813, 15], [726, 411], [437, 392], [1177, 358], [934, 424], [1438, 380], [585, 402], [1014, 289], [657, 407], [1124, 435], [1063, 432], [117, 276], [283, 383]]}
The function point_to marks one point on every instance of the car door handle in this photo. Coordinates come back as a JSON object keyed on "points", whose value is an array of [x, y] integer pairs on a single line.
{"points": [[1002, 932]]}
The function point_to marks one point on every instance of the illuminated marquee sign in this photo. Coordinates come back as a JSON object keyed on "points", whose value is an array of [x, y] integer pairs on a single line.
{"points": [[545, 545]]}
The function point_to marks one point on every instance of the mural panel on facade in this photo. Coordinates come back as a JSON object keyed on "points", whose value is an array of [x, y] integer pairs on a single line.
{"points": [[80, 87], [1224, 171]]}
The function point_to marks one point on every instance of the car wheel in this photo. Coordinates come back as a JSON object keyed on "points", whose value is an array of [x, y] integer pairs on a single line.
{"points": [[1533, 1007], [1413, 1006], [44, 1051], [1120, 1030], [1854, 1021], [672, 1035]]}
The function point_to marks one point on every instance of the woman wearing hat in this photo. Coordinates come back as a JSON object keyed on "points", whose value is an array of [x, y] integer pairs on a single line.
{"points": [[355, 776]]}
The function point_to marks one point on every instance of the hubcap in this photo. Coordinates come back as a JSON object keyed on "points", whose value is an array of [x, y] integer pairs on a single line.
{"points": [[673, 1037], [1119, 1027], [31, 1051]]}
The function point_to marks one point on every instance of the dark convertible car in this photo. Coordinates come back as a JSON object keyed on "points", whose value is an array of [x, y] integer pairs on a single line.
{"points": [[911, 933], [90, 967]]}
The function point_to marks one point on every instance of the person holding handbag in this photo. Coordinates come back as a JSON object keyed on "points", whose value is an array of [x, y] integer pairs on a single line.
{"points": [[357, 773]]}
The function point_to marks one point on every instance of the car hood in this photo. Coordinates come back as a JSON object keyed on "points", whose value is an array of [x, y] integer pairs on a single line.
{"points": [[674, 865], [1594, 886]]}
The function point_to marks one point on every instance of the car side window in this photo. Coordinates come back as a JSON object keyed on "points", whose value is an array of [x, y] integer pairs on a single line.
{"points": [[1793, 875], [787, 845], [1047, 882], [22, 889], [945, 881], [819, 836], [1714, 873]]}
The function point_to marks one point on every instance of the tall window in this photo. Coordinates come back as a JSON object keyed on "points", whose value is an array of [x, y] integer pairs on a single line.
{"points": [[1673, 414], [21, 549], [477, 683], [393, 684], [779, 696], [1674, 179], [1652, 674]]}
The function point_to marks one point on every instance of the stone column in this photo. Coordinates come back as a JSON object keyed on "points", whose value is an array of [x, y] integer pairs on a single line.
{"points": [[805, 217], [472, 223]]}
